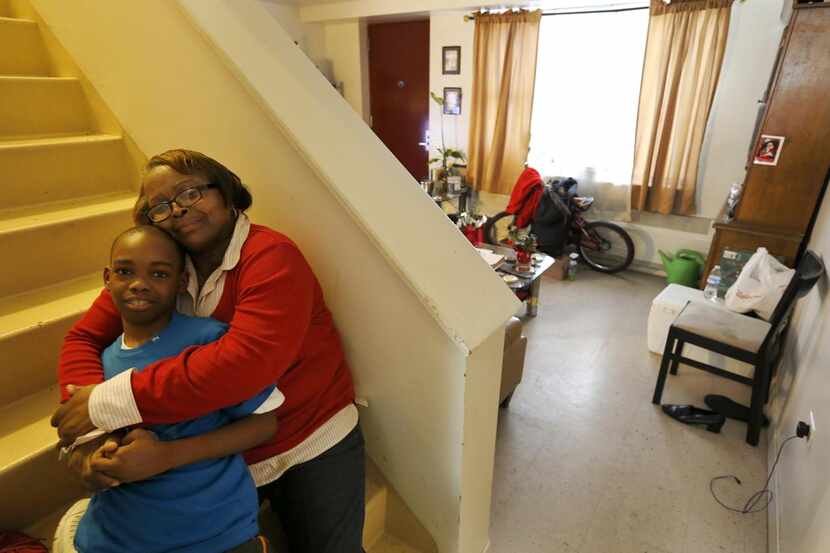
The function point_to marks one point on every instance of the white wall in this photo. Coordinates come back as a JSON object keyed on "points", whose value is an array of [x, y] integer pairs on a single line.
{"points": [[799, 517], [347, 52], [308, 36], [449, 29], [339, 49], [754, 34]]}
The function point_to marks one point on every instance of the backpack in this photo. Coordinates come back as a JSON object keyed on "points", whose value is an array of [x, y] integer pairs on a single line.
{"points": [[550, 223]]}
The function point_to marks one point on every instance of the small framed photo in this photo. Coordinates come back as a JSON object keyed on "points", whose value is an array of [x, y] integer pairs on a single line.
{"points": [[768, 151], [451, 60], [452, 100]]}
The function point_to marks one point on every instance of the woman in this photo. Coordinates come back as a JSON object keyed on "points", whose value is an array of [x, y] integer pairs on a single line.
{"points": [[257, 281]]}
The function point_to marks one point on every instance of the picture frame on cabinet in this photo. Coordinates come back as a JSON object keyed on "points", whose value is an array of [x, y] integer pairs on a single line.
{"points": [[768, 150]]}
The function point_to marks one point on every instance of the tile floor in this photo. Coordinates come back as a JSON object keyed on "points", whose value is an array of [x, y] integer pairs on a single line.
{"points": [[586, 464]]}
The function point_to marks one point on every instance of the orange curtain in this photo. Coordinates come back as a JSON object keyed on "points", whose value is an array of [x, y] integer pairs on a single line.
{"points": [[684, 52], [503, 79]]}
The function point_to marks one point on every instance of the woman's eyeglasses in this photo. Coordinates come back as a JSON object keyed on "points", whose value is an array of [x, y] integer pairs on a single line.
{"points": [[186, 198]]}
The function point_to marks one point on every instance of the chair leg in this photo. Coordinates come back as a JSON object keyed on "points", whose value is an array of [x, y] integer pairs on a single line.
{"points": [[756, 415], [678, 353], [664, 369]]}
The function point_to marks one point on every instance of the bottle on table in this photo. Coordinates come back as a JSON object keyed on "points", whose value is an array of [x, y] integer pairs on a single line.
{"points": [[712, 283]]}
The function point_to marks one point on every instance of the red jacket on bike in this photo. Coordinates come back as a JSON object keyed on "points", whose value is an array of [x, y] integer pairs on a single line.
{"points": [[525, 197]]}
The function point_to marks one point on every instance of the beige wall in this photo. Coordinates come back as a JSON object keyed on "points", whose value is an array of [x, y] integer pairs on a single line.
{"points": [[482, 383], [799, 517], [339, 49], [308, 36], [449, 29], [346, 9], [239, 89], [347, 52]]}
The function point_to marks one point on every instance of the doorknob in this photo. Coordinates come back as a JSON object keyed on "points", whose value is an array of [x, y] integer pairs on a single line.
{"points": [[426, 143]]}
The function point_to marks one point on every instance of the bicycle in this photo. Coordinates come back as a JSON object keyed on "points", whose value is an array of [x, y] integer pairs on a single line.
{"points": [[603, 246]]}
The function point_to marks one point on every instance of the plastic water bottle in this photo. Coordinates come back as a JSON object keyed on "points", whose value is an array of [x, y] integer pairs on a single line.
{"points": [[572, 266], [712, 283]]}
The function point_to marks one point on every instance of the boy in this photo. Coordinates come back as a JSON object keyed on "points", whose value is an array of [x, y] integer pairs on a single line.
{"points": [[206, 507]]}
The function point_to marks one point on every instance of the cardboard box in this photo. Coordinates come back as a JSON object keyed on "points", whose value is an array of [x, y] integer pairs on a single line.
{"points": [[559, 270]]}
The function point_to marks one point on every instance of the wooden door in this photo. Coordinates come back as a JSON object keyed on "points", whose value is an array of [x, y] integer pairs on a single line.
{"points": [[399, 90]]}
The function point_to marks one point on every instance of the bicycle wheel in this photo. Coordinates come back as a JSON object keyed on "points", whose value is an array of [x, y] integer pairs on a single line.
{"points": [[606, 247], [495, 229]]}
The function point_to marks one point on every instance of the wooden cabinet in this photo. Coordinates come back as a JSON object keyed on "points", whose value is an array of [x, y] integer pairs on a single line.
{"points": [[779, 202]]}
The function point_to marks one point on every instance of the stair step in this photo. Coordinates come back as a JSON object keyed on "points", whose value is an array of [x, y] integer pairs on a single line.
{"points": [[33, 483], [25, 430], [390, 544], [44, 529], [58, 169], [21, 48], [32, 328], [42, 107], [53, 245], [376, 505], [376, 494]]}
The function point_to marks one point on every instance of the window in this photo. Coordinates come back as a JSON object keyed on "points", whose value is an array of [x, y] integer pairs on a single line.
{"points": [[587, 90]]}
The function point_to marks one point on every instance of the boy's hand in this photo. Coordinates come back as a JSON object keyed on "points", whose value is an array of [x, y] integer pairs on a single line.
{"points": [[80, 462], [140, 456], [72, 418]]}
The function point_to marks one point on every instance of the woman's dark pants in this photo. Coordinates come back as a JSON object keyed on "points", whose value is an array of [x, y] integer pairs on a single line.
{"points": [[321, 503]]}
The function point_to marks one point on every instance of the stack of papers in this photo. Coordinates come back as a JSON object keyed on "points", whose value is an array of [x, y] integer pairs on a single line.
{"points": [[492, 259]]}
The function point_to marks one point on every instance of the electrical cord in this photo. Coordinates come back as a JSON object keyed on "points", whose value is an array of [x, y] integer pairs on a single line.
{"points": [[751, 505]]}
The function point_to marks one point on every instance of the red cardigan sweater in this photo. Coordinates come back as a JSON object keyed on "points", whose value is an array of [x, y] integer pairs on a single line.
{"points": [[280, 331]]}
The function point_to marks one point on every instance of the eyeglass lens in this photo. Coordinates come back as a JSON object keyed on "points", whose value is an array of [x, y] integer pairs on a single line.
{"points": [[163, 210]]}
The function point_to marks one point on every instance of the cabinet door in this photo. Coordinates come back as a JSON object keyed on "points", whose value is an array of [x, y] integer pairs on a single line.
{"points": [[764, 100], [784, 196]]}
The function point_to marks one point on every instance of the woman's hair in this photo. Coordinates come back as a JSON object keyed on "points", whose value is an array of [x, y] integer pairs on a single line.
{"points": [[188, 162]]}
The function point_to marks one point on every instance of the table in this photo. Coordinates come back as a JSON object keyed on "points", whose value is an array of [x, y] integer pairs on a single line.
{"points": [[530, 282]]}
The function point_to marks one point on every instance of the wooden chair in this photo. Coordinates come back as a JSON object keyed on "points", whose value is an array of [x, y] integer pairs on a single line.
{"points": [[741, 337]]}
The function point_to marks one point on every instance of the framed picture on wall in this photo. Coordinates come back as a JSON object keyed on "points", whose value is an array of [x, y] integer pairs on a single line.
{"points": [[452, 100], [768, 150], [451, 60]]}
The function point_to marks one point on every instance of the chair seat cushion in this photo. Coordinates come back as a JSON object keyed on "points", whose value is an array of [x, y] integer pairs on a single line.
{"points": [[724, 326]]}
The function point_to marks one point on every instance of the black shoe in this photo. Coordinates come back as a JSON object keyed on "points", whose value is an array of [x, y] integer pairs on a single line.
{"points": [[730, 408], [689, 414]]}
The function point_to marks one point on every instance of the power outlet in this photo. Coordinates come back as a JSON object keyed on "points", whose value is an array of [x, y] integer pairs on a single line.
{"points": [[812, 426]]}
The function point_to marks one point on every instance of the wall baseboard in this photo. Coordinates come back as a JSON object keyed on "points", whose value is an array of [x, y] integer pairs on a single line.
{"points": [[774, 514]]}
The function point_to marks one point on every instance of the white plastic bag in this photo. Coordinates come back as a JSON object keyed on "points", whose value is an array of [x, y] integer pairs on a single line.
{"points": [[760, 285]]}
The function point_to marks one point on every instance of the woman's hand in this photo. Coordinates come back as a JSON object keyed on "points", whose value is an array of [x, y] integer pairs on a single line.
{"points": [[72, 418], [140, 456]]}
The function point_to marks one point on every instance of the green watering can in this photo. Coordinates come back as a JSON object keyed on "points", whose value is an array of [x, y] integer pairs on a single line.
{"points": [[684, 268]]}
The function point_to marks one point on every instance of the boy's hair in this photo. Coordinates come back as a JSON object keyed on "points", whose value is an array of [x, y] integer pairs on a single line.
{"points": [[189, 162], [150, 229]]}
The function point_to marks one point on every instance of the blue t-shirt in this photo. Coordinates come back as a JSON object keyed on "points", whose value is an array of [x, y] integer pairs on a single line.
{"points": [[205, 507]]}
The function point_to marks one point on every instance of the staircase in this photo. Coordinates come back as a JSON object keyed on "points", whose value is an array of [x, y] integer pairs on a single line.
{"points": [[69, 180], [70, 177]]}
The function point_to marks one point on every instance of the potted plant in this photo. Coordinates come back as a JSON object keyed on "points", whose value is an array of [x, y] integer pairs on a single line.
{"points": [[449, 157], [524, 243]]}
